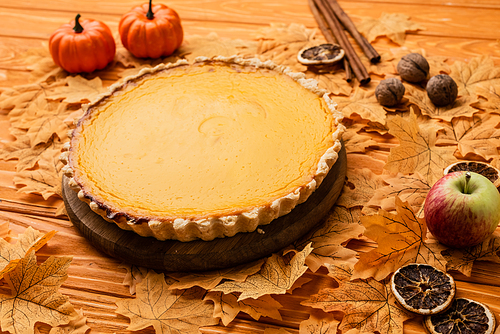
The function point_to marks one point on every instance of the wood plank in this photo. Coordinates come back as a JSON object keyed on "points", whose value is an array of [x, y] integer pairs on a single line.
{"points": [[438, 20]]}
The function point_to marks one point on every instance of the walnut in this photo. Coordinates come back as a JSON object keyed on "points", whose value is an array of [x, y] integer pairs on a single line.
{"points": [[442, 90], [389, 92], [413, 67]]}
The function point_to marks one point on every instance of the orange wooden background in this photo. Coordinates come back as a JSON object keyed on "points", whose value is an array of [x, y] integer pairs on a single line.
{"points": [[457, 29]]}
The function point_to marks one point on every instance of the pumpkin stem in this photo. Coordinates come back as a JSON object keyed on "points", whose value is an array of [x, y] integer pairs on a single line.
{"points": [[150, 14], [78, 27]]}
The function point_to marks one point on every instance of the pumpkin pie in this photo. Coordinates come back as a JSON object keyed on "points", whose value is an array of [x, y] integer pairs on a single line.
{"points": [[203, 150]]}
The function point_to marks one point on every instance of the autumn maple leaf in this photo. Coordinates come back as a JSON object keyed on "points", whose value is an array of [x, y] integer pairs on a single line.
{"points": [[363, 103], [227, 306], [490, 99], [368, 305], [11, 254], [340, 226], [479, 72], [360, 186], [35, 296], [168, 311], [401, 240], [275, 277], [463, 259], [394, 26], [475, 136], [319, 323], [417, 151], [209, 280]]}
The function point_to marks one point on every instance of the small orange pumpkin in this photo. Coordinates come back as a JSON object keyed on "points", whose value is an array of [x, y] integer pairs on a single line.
{"points": [[151, 31], [82, 46]]}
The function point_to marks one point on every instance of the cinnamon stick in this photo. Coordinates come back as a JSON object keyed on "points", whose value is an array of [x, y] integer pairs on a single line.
{"points": [[329, 36], [335, 26], [366, 46]]}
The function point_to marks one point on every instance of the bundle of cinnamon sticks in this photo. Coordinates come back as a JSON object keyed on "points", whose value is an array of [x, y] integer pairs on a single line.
{"points": [[332, 20]]}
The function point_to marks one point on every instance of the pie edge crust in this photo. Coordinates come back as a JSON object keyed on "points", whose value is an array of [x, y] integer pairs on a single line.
{"points": [[211, 228]]}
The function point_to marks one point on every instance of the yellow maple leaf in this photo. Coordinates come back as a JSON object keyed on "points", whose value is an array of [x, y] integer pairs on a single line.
{"points": [[382, 68], [368, 305], [363, 103], [462, 106], [394, 26], [209, 280], [277, 276], [463, 259], [213, 45], [400, 240], [45, 179], [35, 296], [134, 276], [11, 254], [479, 72], [77, 90], [166, 310], [319, 323], [409, 188], [475, 136], [359, 187], [227, 306], [331, 79], [339, 227], [417, 151], [490, 99], [355, 141], [76, 326]]}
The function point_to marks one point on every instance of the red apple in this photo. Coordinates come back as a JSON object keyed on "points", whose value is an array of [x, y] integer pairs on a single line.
{"points": [[462, 209]]}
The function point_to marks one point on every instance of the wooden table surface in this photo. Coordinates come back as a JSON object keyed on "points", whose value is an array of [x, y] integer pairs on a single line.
{"points": [[457, 29]]}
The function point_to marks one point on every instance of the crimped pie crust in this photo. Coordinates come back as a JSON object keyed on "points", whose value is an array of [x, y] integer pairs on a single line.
{"points": [[209, 228]]}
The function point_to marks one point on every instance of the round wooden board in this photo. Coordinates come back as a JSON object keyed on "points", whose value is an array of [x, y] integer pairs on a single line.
{"points": [[201, 255]]}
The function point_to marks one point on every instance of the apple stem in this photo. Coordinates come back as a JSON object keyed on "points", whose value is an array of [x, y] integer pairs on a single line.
{"points": [[467, 179]]}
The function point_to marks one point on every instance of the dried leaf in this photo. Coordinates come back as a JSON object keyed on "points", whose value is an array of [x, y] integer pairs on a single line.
{"points": [[363, 103], [281, 42], [276, 277], [78, 90], [30, 240], [319, 323], [75, 326], [394, 26], [134, 276], [476, 136], [401, 240], [461, 106], [332, 80], [463, 259], [212, 45], [382, 68], [417, 151], [368, 305], [272, 330], [35, 296], [490, 99], [340, 226], [359, 187], [166, 310], [44, 180], [356, 142], [227, 306], [409, 188], [209, 280], [479, 72]]}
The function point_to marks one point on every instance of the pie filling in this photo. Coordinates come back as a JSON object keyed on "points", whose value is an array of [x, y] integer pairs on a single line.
{"points": [[200, 141]]}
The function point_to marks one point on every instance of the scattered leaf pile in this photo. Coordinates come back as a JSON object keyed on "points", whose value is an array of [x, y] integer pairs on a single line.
{"points": [[394, 156]]}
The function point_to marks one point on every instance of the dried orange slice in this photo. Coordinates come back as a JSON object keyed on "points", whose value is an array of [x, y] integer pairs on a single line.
{"points": [[423, 289], [326, 53], [464, 316], [483, 168]]}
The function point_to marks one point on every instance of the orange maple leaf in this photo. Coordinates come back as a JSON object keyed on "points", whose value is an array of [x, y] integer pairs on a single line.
{"points": [[490, 99], [368, 305], [475, 136], [227, 306], [394, 26], [401, 240], [479, 72], [277, 276], [417, 151], [359, 188], [363, 103], [35, 296], [327, 238], [166, 310], [463, 259], [319, 323]]}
